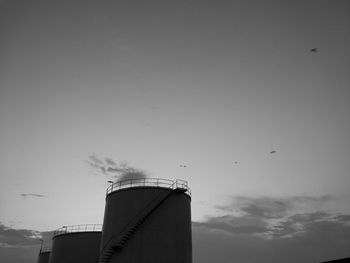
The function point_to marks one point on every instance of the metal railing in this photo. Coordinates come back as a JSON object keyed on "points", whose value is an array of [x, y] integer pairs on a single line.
{"points": [[45, 249], [149, 182], [78, 228]]}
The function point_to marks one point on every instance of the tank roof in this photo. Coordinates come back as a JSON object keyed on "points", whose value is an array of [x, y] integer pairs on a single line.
{"points": [[45, 249], [77, 229], [149, 182]]}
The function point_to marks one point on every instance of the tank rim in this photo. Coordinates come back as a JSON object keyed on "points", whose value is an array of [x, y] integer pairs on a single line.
{"points": [[149, 183], [45, 249], [142, 187], [44, 252], [73, 229]]}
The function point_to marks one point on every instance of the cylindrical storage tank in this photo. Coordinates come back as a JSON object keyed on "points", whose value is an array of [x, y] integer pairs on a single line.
{"points": [[79, 243], [44, 255], [147, 221]]}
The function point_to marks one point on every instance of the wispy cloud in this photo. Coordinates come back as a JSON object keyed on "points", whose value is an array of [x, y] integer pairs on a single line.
{"points": [[234, 224], [272, 207], [109, 161], [32, 195], [21, 245], [315, 237], [11, 237], [109, 167], [269, 217], [269, 229]]}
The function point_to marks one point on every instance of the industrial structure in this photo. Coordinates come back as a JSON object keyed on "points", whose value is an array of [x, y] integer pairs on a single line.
{"points": [[71, 244], [145, 220], [342, 260], [44, 255]]}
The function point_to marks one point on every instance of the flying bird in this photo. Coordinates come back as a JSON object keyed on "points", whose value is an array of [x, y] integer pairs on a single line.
{"points": [[313, 49], [272, 152], [184, 166]]}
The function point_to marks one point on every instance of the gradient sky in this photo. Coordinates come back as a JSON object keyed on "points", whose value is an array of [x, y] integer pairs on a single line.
{"points": [[213, 85]]}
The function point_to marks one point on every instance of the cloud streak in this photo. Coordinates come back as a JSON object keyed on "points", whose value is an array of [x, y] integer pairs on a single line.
{"points": [[21, 245], [11, 237], [268, 216], [269, 229], [111, 168], [323, 238], [32, 195], [272, 207], [234, 224]]}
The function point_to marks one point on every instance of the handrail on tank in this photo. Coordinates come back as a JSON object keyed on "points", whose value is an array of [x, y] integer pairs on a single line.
{"points": [[78, 228], [45, 249], [152, 182]]}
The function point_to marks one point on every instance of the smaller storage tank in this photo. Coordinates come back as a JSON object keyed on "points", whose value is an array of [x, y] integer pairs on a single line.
{"points": [[44, 255], [79, 243]]}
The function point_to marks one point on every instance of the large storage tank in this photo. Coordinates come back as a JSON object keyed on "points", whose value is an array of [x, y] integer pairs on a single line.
{"points": [[147, 221], [44, 255], [79, 243]]}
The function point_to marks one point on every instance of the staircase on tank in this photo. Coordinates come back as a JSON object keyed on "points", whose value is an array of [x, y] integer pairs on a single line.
{"points": [[118, 242]]}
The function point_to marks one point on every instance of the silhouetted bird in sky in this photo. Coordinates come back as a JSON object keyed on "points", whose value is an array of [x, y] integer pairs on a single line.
{"points": [[184, 166], [313, 49], [272, 152]]}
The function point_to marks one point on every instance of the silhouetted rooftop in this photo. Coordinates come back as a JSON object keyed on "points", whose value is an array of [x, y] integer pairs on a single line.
{"points": [[342, 260]]}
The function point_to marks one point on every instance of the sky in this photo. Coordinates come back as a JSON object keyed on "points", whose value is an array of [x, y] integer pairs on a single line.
{"points": [[229, 89]]}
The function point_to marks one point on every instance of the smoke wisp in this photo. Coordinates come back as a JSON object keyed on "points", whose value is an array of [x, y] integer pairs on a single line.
{"points": [[111, 168]]}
